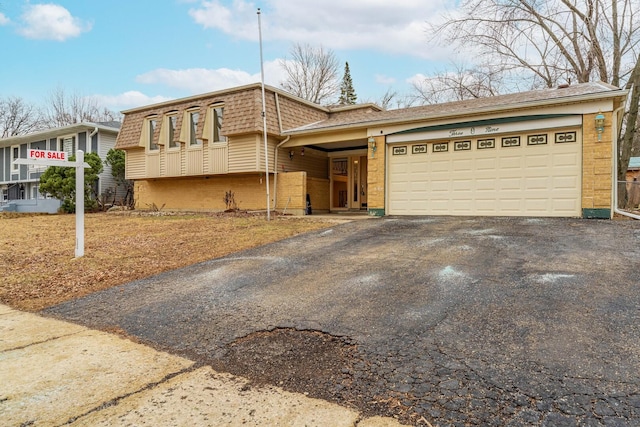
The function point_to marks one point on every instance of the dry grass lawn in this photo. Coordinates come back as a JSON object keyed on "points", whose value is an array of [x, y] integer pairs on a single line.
{"points": [[37, 251]]}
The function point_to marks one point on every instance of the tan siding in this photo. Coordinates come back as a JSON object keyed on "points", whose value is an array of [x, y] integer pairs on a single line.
{"points": [[194, 161], [243, 154], [152, 165], [163, 161], [272, 143], [314, 162], [218, 157], [134, 164], [205, 156], [174, 160]]}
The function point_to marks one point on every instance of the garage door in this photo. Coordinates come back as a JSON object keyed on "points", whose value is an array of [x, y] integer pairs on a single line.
{"points": [[527, 175]]}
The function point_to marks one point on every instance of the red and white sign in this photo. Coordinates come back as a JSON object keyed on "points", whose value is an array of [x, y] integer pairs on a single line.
{"points": [[47, 155]]}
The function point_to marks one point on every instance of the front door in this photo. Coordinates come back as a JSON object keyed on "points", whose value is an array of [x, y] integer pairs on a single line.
{"points": [[358, 182], [349, 183]]}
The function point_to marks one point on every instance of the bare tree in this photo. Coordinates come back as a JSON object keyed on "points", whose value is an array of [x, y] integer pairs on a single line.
{"points": [[312, 73], [393, 99], [554, 42], [457, 85], [17, 117], [62, 110]]}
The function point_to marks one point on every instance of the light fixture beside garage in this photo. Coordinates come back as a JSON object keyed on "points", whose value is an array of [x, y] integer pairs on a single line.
{"points": [[599, 125], [372, 143]]}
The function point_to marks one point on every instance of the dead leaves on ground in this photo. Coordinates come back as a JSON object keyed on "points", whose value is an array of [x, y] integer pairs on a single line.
{"points": [[37, 252]]}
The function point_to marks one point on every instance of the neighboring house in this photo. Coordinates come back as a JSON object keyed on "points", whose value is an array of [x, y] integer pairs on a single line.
{"points": [[633, 182], [19, 183], [535, 153]]}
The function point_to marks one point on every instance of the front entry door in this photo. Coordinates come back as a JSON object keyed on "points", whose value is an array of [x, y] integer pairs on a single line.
{"points": [[358, 182]]}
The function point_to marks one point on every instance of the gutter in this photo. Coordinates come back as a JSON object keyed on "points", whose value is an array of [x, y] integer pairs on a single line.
{"points": [[617, 210]]}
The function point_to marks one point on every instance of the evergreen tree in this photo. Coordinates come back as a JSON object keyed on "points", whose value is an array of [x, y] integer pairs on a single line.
{"points": [[60, 182], [347, 92]]}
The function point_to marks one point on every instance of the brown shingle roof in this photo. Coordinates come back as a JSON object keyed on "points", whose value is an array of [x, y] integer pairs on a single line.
{"points": [[242, 112], [466, 107]]}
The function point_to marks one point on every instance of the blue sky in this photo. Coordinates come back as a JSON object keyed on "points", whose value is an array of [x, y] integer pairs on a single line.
{"points": [[129, 53]]}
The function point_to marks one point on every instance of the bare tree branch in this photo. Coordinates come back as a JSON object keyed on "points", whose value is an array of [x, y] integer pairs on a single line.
{"points": [[17, 117], [312, 73], [62, 110]]}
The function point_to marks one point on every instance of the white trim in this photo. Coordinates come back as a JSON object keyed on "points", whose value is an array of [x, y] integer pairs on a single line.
{"points": [[479, 131], [14, 166]]}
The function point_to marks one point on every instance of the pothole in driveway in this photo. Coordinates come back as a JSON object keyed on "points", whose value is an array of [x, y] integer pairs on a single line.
{"points": [[310, 362]]}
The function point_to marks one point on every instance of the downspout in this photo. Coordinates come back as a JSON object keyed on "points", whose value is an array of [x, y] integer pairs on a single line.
{"points": [[94, 132], [617, 210], [275, 166]]}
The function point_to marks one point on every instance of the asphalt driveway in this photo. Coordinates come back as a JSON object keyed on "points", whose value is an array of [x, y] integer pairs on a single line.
{"points": [[440, 320]]}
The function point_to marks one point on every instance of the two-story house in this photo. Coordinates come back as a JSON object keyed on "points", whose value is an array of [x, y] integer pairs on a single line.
{"points": [[19, 184]]}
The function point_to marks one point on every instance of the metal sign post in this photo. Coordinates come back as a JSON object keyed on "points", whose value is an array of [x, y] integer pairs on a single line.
{"points": [[58, 158]]}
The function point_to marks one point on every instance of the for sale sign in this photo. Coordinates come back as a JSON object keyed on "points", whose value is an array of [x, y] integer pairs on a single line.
{"points": [[47, 155]]}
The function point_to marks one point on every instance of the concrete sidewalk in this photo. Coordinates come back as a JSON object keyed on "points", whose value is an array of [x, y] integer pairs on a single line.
{"points": [[54, 373]]}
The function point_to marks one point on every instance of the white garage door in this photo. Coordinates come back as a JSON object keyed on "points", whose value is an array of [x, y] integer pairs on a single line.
{"points": [[531, 175]]}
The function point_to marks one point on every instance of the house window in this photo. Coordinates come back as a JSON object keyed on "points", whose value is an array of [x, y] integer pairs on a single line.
{"points": [[194, 116], [216, 114], [151, 129], [172, 122], [15, 154], [68, 145]]}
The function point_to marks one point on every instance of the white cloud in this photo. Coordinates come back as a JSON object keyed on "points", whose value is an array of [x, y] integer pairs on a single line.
{"points": [[51, 22], [3, 19], [392, 27], [199, 80], [384, 80], [130, 99], [416, 79]]}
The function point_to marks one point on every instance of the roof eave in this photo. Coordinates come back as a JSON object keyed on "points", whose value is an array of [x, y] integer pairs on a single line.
{"points": [[225, 92], [56, 132]]}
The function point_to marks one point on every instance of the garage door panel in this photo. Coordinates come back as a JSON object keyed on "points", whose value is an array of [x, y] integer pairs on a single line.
{"points": [[443, 166], [543, 180], [537, 183], [538, 161], [486, 164], [510, 184], [463, 165], [566, 159], [571, 183], [510, 162]]}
